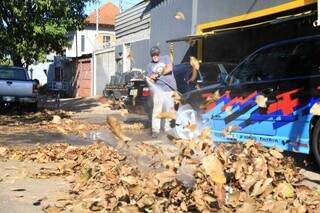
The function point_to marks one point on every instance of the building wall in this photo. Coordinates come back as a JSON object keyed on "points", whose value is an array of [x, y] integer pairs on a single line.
{"points": [[104, 68], [212, 10], [38, 72], [133, 34], [92, 41], [133, 20], [140, 54], [164, 26], [99, 40]]}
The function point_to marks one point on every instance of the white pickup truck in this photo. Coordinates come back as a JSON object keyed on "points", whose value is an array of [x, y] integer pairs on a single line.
{"points": [[17, 88]]}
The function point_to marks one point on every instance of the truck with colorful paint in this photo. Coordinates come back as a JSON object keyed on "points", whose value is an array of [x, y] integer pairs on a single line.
{"points": [[272, 97]]}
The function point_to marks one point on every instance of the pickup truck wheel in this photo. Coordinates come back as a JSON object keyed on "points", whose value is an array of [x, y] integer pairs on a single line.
{"points": [[315, 142], [33, 107]]}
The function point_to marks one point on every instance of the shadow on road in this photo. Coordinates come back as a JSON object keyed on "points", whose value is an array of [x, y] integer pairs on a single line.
{"points": [[43, 137], [73, 104], [304, 161]]}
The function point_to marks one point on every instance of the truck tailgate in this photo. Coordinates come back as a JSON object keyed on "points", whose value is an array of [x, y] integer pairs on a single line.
{"points": [[16, 88]]}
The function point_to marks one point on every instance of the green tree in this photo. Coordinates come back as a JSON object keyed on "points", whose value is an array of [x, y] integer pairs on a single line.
{"points": [[29, 29]]}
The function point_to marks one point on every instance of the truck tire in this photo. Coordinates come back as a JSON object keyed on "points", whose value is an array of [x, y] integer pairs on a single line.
{"points": [[33, 107], [186, 115], [315, 142]]}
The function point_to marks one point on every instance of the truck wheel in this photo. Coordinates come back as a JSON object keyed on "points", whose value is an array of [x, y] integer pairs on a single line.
{"points": [[187, 116], [33, 107], [315, 142]]}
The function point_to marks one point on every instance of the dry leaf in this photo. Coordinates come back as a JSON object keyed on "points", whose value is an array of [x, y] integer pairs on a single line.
{"points": [[247, 207], [315, 109], [220, 194], [227, 131], [176, 97], [131, 180], [240, 166], [121, 192], [198, 198], [228, 110], [249, 181], [261, 101], [276, 153], [3, 151], [115, 127], [205, 134], [213, 97], [279, 207], [191, 127], [234, 199], [134, 126], [56, 119], [128, 209], [267, 206], [123, 112], [214, 168], [284, 190], [167, 115], [165, 177], [52, 209], [146, 201], [261, 186]]}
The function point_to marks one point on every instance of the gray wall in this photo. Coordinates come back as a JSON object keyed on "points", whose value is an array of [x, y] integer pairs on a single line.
{"points": [[211, 10], [133, 20], [165, 27], [105, 68], [141, 56]]}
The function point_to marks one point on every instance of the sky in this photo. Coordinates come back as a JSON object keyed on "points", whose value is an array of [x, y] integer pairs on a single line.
{"points": [[125, 4]]}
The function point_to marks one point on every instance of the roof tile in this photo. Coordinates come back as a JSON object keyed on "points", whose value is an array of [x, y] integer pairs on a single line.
{"points": [[107, 14]]}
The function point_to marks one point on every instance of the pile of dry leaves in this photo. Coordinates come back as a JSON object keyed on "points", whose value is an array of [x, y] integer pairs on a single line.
{"points": [[112, 103], [229, 177], [57, 121], [32, 118]]}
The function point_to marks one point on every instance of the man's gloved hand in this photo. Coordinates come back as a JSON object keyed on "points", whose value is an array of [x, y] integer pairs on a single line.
{"points": [[155, 76], [160, 70]]}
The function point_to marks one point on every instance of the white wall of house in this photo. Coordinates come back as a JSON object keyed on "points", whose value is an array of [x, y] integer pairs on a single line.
{"points": [[38, 69], [84, 42], [38, 72]]}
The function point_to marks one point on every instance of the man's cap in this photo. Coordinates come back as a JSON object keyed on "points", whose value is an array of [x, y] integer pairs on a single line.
{"points": [[154, 50]]}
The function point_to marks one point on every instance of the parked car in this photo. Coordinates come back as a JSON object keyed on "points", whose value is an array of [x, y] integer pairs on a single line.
{"points": [[118, 86], [16, 88], [138, 99], [271, 97]]}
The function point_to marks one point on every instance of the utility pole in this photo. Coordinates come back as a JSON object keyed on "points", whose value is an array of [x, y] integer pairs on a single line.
{"points": [[120, 5], [97, 18], [97, 24]]}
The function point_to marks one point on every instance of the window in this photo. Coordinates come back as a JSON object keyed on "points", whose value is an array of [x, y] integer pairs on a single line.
{"points": [[83, 43], [284, 61], [268, 64], [304, 59], [106, 41], [58, 75], [12, 74]]}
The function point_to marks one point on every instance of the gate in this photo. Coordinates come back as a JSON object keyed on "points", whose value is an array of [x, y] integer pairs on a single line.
{"points": [[104, 69], [83, 77]]}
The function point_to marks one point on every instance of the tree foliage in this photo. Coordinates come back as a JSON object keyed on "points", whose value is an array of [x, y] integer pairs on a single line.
{"points": [[29, 29]]}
